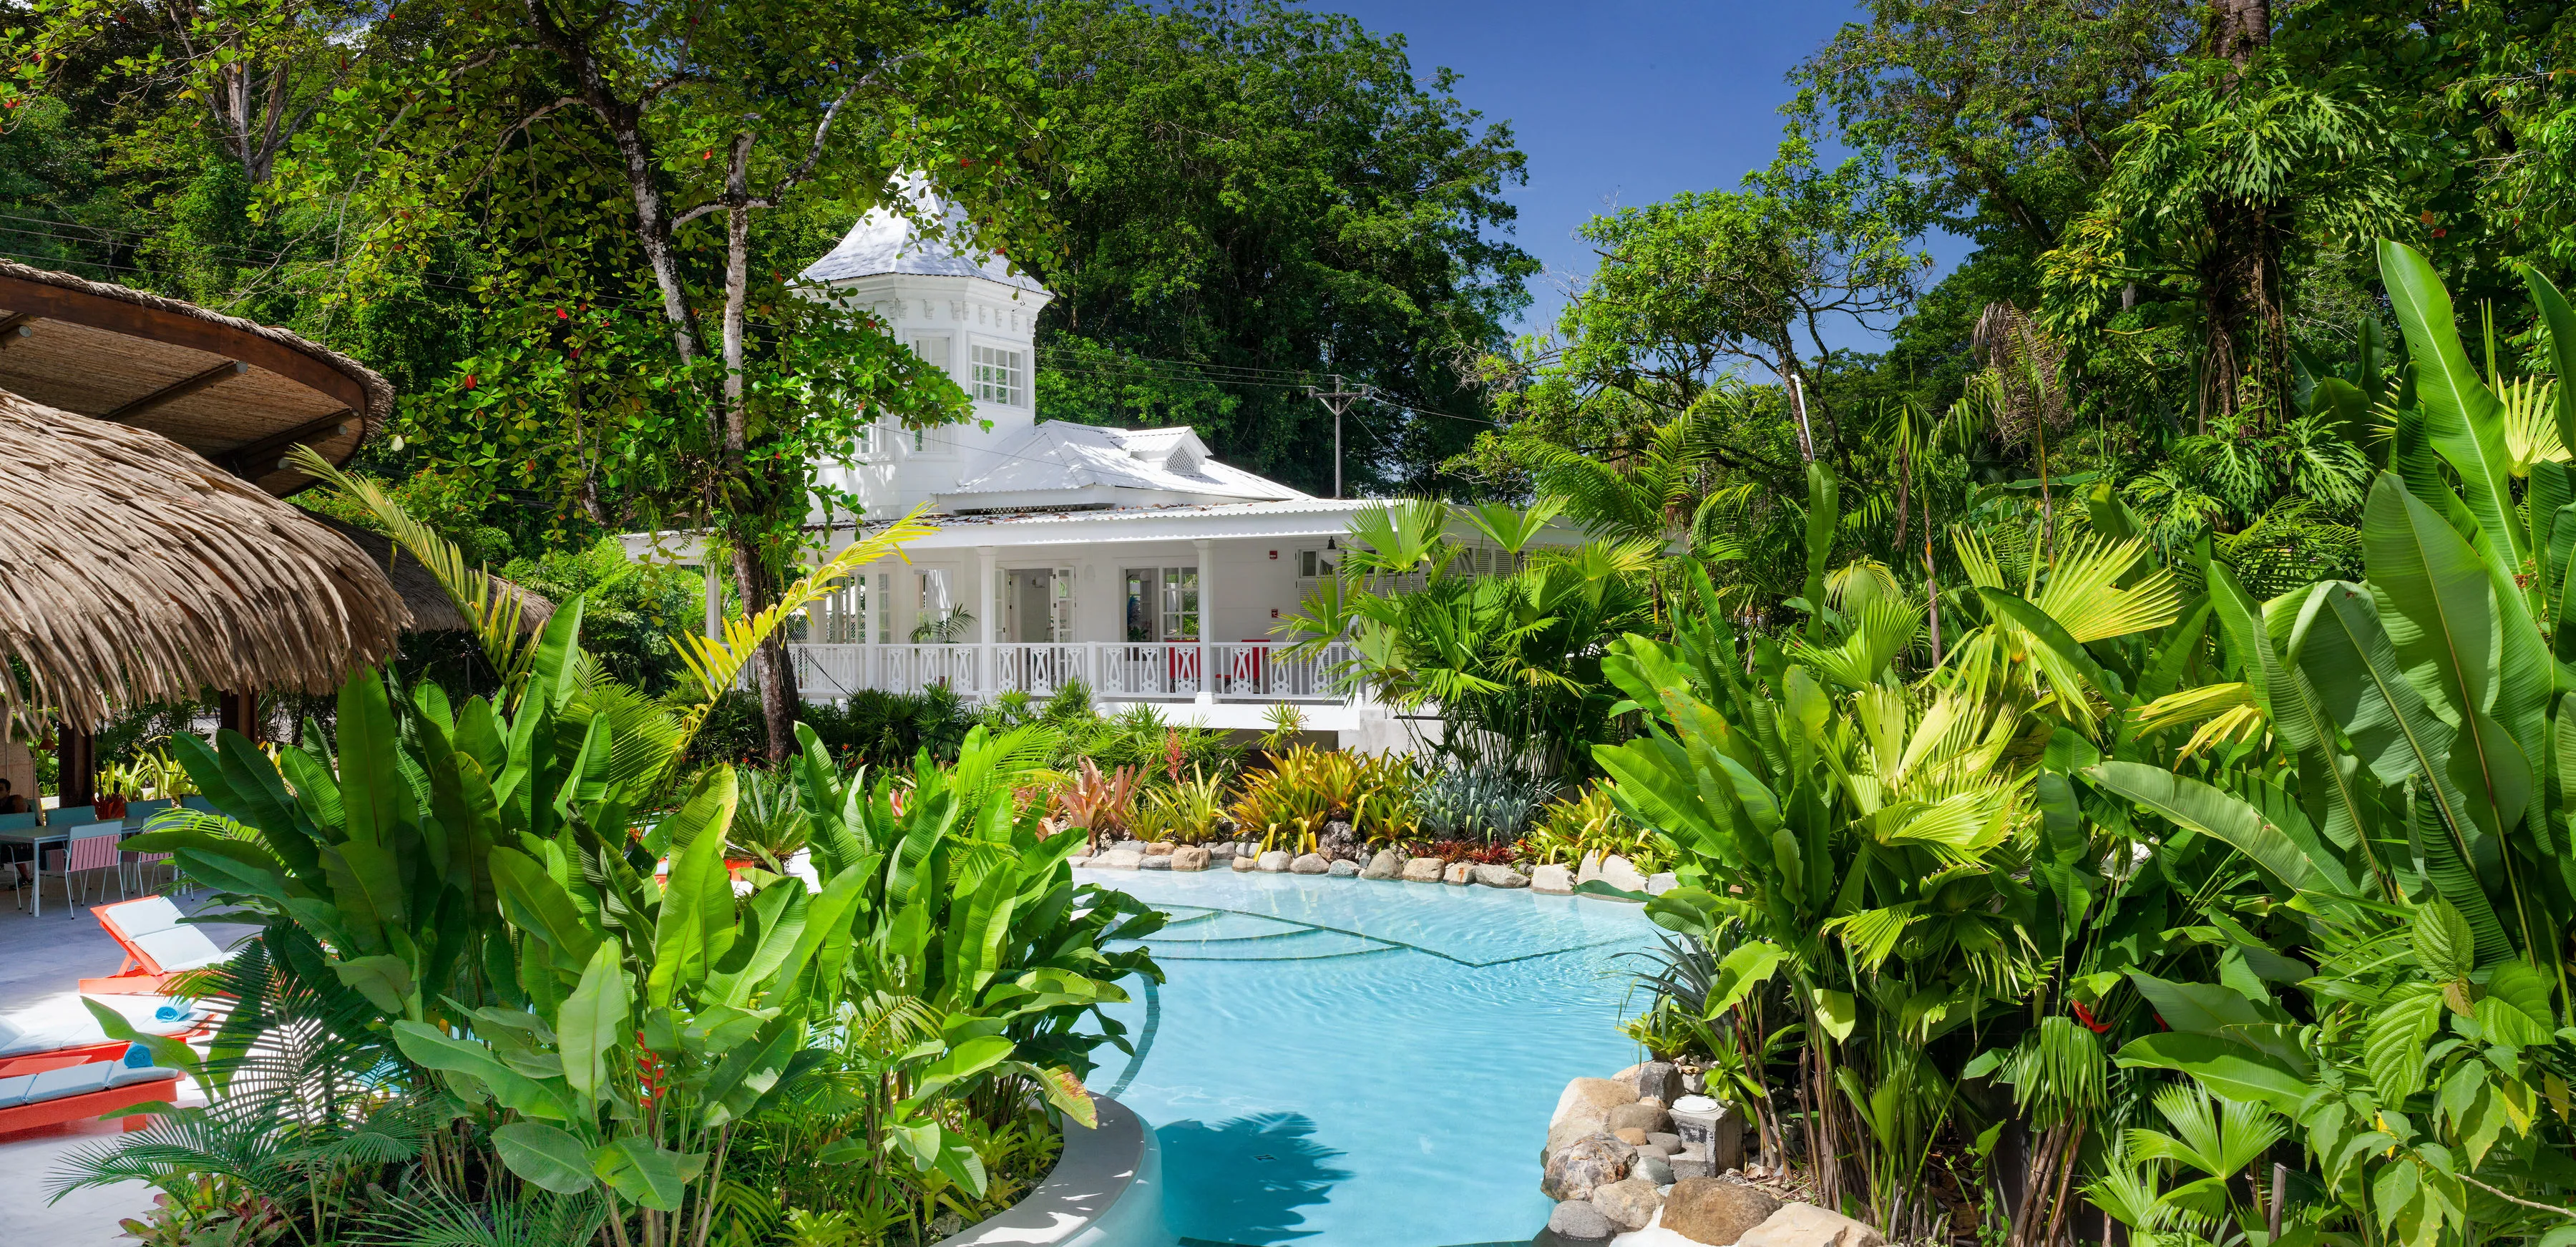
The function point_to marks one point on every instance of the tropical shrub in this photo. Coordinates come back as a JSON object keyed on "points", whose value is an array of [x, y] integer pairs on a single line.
{"points": [[1571, 828], [471, 963], [1479, 801], [2282, 887]]}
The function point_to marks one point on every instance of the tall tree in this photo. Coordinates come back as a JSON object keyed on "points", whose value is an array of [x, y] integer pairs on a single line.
{"points": [[1696, 288], [659, 169], [1253, 197]]}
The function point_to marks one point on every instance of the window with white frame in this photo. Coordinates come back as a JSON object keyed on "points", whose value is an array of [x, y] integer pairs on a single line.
{"points": [[999, 375], [1180, 603]]}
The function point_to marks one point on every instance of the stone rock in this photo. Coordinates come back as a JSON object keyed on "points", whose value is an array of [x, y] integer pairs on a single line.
{"points": [[1500, 877], [1136, 847], [1345, 869], [1077, 860], [1273, 862], [1458, 873], [1661, 1082], [1341, 843], [1652, 1148], [1386, 865], [1726, 1140], [1593, 1097], [1629, 1204], [1641, 1118], [1661, 882], [1713, 1211], [1688, 1165], [1590, 869], [1585, 1166], [1577, 1218], [1305, 863], [1567, 1133], [1631, 1136], [1242, 863], [1159, 848], [1156, 862], [1618, 873], [1553, 880], [1422, 870], [1190, 857], [1118, 859], [1222, 850], [1653, 1167], [1667, 1138], [1805, 1225]]}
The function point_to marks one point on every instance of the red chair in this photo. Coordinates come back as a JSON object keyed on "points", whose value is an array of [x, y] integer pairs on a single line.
{"points": [[157, 945], [84, 1090]]}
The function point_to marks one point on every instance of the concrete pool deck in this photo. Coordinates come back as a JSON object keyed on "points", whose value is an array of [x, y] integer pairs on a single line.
{"points": [[42, 961]]}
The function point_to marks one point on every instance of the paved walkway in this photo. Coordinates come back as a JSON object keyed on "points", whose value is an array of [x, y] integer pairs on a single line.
{"points": [[42, 961]]}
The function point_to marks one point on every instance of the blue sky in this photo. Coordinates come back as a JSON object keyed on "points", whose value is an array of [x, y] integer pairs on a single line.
{"points": [[1617, 103]]}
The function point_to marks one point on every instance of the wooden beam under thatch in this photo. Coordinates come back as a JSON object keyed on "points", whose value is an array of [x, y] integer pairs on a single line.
{"points": [[216, 384], [431, 609], [132, 571]]}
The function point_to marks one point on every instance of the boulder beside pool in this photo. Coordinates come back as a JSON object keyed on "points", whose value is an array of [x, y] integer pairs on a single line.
{"points": [[1189, 857], [1118, 859], [1629, 1203], [1345, 869], [1578, 1219], [1585, 1166], [1459, 873], [1274, 862], [1715, 1211], [1386, 865], [1242, 863], [1501, 877], [1423, 870], [1805, 1225], [1552, 879], [1308, 864]]}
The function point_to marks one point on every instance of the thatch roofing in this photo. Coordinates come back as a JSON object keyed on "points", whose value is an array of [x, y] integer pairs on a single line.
{"points": [[431, 609], [237, 393], [133, 571]]}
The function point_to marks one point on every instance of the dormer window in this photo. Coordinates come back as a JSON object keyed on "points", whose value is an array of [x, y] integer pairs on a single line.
{"points": [[999, 376]]}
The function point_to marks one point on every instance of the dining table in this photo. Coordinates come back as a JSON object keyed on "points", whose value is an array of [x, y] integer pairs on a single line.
{"points": [[37, 839]]}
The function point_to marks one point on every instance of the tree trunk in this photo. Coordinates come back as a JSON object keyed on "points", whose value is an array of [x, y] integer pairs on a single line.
{"points": [[2245, 339], [2240, 28], [2245, 335], [759, 585]]}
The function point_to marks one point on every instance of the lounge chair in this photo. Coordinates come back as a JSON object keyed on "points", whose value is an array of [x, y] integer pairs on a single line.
{"points": [[123, 1079], [61, 1032], [156, 946]]}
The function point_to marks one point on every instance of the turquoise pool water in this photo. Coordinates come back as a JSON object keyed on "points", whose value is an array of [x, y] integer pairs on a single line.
{"points": [[1355, 1063]]}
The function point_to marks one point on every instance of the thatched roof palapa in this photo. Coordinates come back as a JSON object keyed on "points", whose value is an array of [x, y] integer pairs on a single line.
{"points": [[431, 609], [133, 571], [238, 393]]}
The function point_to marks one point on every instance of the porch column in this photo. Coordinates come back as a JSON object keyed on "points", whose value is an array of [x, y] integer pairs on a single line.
{"points": [[1207, 621], [990, 681]]}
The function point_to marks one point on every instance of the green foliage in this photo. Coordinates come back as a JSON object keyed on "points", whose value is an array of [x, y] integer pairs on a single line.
{"points": [[1257, 187]]}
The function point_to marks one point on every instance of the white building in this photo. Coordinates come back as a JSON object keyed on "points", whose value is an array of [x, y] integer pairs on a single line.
{"points": [[1128, 559]]}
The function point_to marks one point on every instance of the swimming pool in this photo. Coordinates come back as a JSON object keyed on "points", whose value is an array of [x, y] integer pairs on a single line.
{"points": [[1357, 1063]]}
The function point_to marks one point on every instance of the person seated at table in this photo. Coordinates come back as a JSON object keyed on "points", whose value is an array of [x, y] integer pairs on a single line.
{"points": [[15, 856]]}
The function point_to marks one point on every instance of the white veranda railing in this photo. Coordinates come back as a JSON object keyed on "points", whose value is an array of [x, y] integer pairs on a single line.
{"points": [[1114, 670]]}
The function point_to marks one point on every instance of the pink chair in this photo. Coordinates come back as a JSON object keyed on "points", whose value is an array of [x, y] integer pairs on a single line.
{"points": [[92, 853]]}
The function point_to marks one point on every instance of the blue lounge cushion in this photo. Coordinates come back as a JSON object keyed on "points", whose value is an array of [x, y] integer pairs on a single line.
{"points": [[125, 1077], [13, 1091]]}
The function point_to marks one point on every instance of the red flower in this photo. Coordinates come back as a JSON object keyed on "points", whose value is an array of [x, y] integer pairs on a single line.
{"points": [[2085, 1016]]}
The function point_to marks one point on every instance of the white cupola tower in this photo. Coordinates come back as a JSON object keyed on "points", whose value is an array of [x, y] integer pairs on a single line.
{"points": [[966, 312]]}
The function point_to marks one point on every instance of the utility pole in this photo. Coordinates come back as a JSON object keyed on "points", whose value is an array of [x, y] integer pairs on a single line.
{"points": [[1337, 400]]}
